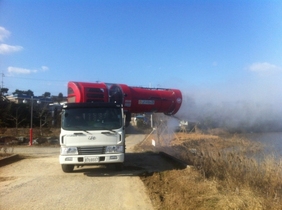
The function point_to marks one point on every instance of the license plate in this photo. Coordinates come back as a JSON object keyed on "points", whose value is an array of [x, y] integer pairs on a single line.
{"points": [[91, 159]]}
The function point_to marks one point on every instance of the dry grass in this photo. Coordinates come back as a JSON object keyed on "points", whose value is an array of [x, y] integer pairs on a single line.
{"points": [[226, 174], [187, 189]]}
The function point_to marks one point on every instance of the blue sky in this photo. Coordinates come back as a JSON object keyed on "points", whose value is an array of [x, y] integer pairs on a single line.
{"points": [[210, 49]]}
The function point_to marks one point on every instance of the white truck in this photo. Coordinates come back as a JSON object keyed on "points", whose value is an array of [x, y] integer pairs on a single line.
{"points": [[92, 134]]}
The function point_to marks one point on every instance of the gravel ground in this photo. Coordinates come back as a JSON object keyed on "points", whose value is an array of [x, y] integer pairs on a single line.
{"points": [[37, 182]]}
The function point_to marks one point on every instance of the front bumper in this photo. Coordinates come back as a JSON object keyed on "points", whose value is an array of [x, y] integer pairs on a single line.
{"points": [[91, 159]]}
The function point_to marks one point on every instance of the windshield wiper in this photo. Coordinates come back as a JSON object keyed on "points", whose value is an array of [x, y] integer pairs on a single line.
{"points": [[87, 132], [82, 130], [107, 132]]}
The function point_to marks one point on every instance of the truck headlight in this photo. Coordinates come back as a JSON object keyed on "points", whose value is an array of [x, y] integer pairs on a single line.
{"points": [[69, 151], [114, 149]]}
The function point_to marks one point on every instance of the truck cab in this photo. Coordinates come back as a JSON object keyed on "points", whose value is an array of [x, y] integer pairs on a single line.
{"points": [[92, 134]]}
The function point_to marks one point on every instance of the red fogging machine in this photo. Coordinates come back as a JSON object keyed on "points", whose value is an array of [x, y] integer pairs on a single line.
{"points": [[133, 99]]}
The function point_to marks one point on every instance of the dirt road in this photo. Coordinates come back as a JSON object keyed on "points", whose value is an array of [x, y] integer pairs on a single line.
{"points": [[37, 182]]}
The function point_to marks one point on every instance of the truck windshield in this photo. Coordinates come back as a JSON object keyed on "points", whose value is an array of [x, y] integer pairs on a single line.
{"points": [[91, 119]]}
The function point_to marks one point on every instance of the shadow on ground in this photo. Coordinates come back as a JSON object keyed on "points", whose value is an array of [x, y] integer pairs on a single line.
{"points": [[136, 164]]}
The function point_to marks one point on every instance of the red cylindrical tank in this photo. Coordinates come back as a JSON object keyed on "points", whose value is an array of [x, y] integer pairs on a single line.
{"points": [[138, 100], [134, 99], [79, 92]]}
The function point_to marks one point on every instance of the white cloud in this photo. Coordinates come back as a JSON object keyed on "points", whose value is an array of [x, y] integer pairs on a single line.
{"points": [[16, 70], [44, 68], [6, 49], [264, 68], [4, 33]]}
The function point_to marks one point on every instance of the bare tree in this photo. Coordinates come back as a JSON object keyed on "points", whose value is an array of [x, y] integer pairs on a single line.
{"points": [[43, 114], [4, 106], [17, 114]]}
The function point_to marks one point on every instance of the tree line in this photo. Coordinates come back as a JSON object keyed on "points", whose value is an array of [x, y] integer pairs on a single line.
{"points": [[18, 115]]}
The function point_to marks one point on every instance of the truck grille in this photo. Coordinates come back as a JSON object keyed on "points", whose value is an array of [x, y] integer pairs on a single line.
{"points": [[91, 150]]}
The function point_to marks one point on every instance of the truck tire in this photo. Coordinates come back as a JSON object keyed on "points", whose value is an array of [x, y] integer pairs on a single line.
{"points": [[119, 166], [67, 168]]}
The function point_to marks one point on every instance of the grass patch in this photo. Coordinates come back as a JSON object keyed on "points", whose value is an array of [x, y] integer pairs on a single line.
{"points": [[227, 173]]}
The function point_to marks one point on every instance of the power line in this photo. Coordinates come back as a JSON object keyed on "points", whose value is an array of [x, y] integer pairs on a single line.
{"points": [[14, 84], [36, 79]]}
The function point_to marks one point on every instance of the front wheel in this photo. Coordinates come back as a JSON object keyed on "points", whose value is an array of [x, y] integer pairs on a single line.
{"points": [[67, 168]]}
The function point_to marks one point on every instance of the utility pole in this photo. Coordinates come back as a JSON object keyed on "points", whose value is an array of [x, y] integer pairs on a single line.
{"points": [[2, 82]]}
